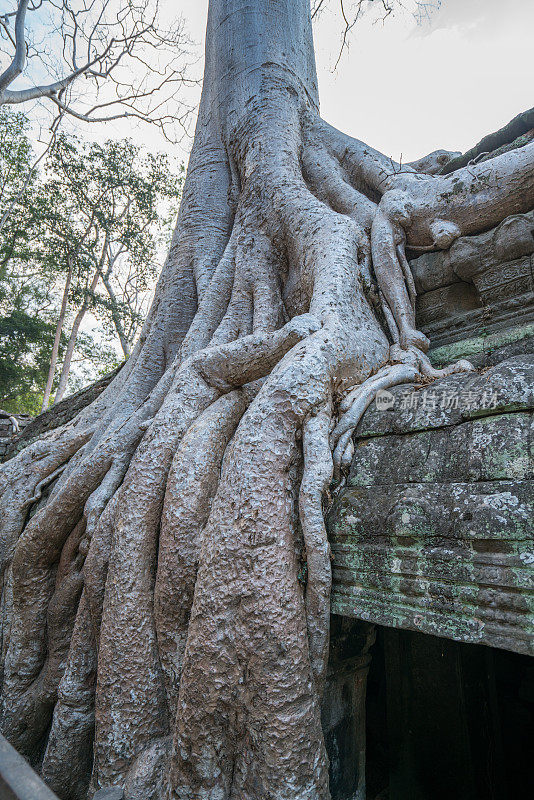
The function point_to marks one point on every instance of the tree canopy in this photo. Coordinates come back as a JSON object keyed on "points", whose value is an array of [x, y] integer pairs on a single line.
{"points": [[89, 225]]}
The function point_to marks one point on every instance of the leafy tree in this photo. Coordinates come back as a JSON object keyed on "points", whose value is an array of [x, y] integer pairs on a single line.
{"points": [[108, 225], [25, 323], [159, 638], [81, 237], [24, 356], [15, 157]]}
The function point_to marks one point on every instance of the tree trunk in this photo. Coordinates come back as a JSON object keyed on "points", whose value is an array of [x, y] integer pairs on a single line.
{"points": [[115, 316], [57, 340], [71, 344], [156, 634]]}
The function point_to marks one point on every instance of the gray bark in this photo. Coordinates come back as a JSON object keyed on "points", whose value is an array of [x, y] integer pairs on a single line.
{"points": [[57, 340], [125, 344], [71, 344], [159, 617]]}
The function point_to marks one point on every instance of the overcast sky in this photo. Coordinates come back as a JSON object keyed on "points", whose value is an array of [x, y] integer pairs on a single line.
{"points": [[412, 89]]}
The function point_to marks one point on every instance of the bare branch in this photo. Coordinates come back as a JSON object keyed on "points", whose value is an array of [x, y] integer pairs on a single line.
{"points": [[316, 7], [131, 64], [358, 8], [19, 56]]}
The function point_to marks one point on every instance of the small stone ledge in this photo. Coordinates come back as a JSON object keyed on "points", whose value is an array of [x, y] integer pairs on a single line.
{"points": [[504, 388], [55, 416], [18, 781], [487, 349], [470, 256], [11, 426], [491, 145]]}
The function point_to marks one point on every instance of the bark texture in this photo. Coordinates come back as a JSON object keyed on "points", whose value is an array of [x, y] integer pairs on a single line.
{"points": [[158, 631]]}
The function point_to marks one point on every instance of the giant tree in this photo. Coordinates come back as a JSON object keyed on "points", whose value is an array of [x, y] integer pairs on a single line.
{"points": [[156, 633]]}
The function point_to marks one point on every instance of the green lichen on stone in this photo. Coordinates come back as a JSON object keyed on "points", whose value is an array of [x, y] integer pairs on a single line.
{"points": [[499, 447], [487, 342]]}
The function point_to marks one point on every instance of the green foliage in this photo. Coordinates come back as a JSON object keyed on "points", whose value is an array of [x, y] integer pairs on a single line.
{"points": [[127, 198], [15, 154], [92, 211], [25, 335], [25, 344]]}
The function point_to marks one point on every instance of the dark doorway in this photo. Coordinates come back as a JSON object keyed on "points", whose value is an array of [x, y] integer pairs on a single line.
{"points": [[448, 720]]}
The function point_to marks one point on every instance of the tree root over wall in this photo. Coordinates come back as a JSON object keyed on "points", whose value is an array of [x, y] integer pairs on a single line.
{"points": [[155, 632]]}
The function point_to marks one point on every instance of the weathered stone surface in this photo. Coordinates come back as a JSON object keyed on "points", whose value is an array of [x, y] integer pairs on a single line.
{"points": [[471, 255], [508, 242], [508, 386], [11, 427], [434, 530], [488, 349], [432, 271], [458, 297], [520, 126], [481, 288]]}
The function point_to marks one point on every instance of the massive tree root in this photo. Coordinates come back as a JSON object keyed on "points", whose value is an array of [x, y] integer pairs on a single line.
{"points": [[157, 632]]}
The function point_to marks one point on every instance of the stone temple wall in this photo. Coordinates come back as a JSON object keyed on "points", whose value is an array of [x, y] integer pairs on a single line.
{"points": [[434, 529], [433, 533], [476, 300], [11, 426]]}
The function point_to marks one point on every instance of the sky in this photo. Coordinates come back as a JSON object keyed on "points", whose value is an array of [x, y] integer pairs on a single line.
{"points": [[409, 89]]}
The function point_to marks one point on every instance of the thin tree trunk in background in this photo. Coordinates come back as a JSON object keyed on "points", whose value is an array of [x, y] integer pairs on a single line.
{"points": [[57, 340], [65, 369], [123, 339]]}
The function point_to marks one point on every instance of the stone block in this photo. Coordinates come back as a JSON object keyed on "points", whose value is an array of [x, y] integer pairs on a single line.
{"points": [[433, 531], [109, 793], [481, 286], [431, 271], [447, 302]]}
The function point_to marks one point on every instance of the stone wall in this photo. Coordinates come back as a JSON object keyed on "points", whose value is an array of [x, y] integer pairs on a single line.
{"points": [[434, 530], [11, 427], [476, 300], [433, 534], [63, 412]]}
